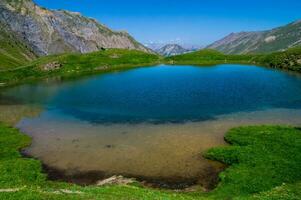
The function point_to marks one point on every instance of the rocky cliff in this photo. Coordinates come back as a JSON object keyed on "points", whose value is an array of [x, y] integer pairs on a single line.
{"points": [[58, 31]]}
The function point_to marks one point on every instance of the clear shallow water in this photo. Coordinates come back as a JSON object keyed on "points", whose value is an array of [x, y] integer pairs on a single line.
{"points": [[152, 122]]}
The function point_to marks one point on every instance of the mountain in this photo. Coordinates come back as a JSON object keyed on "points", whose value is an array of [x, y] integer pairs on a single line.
{"points": [[171, 50], [278, 39], [49, 32], [13, 51], [154, 46]]}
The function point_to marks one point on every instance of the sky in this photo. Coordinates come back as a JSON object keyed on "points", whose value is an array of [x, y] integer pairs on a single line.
{"points": [[198, 22]]}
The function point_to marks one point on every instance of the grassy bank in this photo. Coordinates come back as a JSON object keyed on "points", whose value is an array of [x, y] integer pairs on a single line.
{"points": [[264, 163], [75, 64], [289, 60], [208, 57]]}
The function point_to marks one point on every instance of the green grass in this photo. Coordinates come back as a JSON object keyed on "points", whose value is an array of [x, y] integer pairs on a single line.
{"points": [[75, 64], [13, 53], [209, 57], [264, 163], [261, 158], [289, 60]]}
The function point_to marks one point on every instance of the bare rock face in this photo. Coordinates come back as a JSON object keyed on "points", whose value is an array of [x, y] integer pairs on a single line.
{"points": [[57, 31]]}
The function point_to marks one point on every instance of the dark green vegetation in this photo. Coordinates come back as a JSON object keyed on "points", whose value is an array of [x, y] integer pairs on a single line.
{"points": [[264, 163], [278, 39], [289, 60], [76, 64], [208, 57], [13, 52]]}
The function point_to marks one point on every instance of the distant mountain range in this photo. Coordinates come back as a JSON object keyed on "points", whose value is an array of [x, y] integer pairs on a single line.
{"points": [[47, 32], [172, 50], [278, 39], [28, 31]]}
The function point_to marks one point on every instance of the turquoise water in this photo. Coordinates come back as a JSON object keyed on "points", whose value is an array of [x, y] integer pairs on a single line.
{"points": [[165, 94]]}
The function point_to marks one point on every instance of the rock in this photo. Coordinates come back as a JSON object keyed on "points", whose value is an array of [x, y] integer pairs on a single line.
{"points": [[299, 61], [270, 39], [70, 191], [102, 68], [114, 56], [10, 190], [116, 180], [57, 31], [51, 66], [109, 146]]}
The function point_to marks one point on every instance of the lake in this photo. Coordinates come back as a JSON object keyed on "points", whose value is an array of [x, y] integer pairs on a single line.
{"points": [[151, 123]]}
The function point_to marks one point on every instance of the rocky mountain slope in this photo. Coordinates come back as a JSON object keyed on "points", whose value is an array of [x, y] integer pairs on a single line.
{"points": [[13, 51], [49, 32], [277, 39], [171, 50]]}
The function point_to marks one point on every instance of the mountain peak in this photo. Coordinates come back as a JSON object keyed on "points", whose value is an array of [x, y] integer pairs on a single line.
{"points": [[172, 50]]}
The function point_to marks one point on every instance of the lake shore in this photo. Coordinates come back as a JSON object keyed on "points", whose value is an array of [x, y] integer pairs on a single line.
{"points": [[69, 66], [27, 181], [150, 158]]}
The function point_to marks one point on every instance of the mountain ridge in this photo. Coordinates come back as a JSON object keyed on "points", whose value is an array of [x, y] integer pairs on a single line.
{"points": [[267, 41], [172, 50], [50, 32]]}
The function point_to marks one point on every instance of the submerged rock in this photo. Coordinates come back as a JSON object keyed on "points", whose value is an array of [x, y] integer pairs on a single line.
{"points": [[116, 180]]}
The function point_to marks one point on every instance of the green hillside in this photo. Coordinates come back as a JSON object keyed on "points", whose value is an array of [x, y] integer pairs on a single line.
{"points": [[208, 57], [13, 52], [289, 60], [76, 64]]}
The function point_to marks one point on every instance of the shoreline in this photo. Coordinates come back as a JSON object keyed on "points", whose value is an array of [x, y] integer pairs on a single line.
{"points": [[129, 59], [93, 177], [249, 174]]}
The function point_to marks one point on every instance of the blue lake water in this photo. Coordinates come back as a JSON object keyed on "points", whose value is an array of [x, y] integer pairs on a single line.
{"points": [[151, 123], [166, 93]]}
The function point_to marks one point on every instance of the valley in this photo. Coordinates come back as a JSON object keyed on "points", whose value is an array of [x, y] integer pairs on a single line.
{"points": [[88, 112]]}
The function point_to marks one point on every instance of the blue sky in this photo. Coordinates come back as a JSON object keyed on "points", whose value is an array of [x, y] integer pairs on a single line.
{"points": [[191, 21]]}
